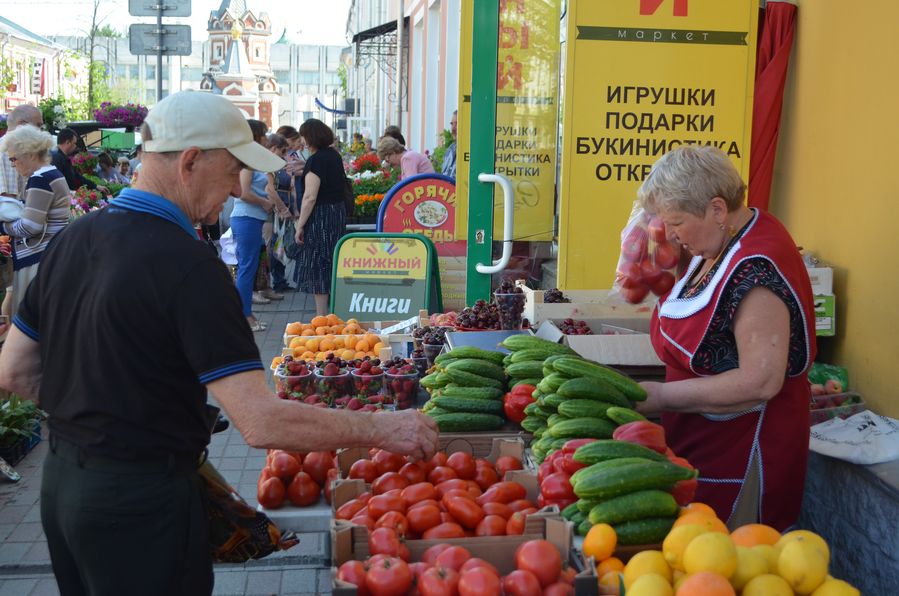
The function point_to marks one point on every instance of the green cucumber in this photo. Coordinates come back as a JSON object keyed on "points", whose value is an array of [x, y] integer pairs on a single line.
{"points": [[532, 424], [472, 392], [553, 400], [605, 465], [462, 404], [569, 512], [621, 416], [533, 410], [582, 428], [532, 342], [525, 370], [555, 418], [478, 353], [583, 368], [479, 367], [528, 356], [584, 408], [632, 506], [467, 422], [592, 388], [604, 450], [468, 379], [644, 531], [584, 527], [608, 483]]}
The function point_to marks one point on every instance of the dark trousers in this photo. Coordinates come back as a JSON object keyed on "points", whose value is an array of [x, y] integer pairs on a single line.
{"points": [[124, 527]]}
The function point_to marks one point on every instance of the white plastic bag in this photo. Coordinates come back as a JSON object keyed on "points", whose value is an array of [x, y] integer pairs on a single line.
{"points": [[864, 438], [229, 248], [647, 262]]}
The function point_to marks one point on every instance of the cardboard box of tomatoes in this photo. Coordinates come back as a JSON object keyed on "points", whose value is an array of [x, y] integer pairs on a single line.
{"points": [[351, 542]]}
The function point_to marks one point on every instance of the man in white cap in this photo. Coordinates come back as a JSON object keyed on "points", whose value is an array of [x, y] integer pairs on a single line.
{"points": [[151, 320]]}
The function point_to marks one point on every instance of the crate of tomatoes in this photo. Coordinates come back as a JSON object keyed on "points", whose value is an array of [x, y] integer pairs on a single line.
{"points": [[537, 561], [294, 489]]}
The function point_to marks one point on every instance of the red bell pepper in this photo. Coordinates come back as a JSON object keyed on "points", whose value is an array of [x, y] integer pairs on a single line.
{"points": [[683, 491], [571, 446], [556, 487], [567, 465], [642, 432], [524, 389], [515, 403]]}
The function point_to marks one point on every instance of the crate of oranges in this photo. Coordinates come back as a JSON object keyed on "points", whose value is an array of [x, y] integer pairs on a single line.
{"points": [[329, 334]]}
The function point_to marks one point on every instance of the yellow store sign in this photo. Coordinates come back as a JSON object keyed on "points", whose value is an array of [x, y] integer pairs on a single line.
{"points": [[643, 77], [526, 115]]}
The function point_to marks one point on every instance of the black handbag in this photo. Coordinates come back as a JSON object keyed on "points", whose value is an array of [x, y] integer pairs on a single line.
{"points": [[291, 248]]}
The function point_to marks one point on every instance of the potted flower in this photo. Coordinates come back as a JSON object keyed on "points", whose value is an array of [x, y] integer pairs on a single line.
{"points": [[130, 115], [368, 205], [20, 428], [84, 200], [85, 162], [53, 110]]}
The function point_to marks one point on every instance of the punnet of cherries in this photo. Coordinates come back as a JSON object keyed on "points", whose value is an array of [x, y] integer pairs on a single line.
{"points": [[555, 296], [572, 327]]}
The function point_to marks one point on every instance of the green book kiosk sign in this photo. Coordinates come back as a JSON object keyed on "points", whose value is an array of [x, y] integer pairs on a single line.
{"points": [[382, 276]]}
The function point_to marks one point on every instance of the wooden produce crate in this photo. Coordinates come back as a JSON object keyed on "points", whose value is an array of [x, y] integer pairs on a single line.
{"points": [[592, 304], [350, 542]]}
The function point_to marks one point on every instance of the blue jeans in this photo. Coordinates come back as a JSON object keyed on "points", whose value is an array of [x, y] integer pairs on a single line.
{"points": [[277, 269], [247, 232]]}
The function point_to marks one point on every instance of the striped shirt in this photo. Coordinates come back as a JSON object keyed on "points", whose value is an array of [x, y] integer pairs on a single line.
{"points": [[46, 213]]}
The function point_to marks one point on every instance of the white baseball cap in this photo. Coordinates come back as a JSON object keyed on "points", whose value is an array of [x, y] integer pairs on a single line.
{"points": [[206, 121]]}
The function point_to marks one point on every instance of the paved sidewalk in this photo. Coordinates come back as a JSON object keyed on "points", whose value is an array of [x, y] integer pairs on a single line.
{"points": [[25, 562]]}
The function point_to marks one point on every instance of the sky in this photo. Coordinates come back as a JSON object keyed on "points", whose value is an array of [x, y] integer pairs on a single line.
{"points": [[313, 22]]}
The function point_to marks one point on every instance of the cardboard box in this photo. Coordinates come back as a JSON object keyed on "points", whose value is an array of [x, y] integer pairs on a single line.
{"points": [[489, 445], [301, 519], [622, 342], [584, 304], [822, 280], [350, 542], [825, 316]]}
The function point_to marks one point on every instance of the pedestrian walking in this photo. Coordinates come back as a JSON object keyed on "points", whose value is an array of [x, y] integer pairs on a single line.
{"points": [[152, 321]]}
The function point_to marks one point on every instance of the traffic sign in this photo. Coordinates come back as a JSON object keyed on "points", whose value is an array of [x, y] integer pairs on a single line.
{"points": [[151, 8], [167, 40]]}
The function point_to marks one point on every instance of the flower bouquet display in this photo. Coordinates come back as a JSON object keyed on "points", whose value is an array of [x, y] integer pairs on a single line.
{"points": [[85, 163], [367, 205], [114, 116], [84, 200]]}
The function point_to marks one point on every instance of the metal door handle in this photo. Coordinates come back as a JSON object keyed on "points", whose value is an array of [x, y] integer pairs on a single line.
{"points": [[508, 219]]}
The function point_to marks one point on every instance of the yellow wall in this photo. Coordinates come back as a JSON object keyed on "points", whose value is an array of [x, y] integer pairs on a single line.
{"points": [[836, 179]]}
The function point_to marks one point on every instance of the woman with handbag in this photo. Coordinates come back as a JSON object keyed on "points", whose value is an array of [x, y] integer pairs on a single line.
{"points": [[45, 212], [281, 184]]}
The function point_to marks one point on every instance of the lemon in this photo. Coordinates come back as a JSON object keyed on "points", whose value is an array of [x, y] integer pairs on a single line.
{"points": [[647, 561], [835, 587], [650, 584], [767, 585], [803, 564], [713, 552], [750, 564], [770, 553], [806, 536], [676, 542]]}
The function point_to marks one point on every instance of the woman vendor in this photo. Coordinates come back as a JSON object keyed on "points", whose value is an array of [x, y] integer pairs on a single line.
{"points": [[737, 335]]}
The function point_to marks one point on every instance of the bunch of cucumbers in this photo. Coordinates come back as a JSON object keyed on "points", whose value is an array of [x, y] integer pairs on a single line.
{"points": [[466, 387], [628, 487]]}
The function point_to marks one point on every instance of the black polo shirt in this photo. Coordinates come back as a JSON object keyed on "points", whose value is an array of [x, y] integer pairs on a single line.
{"points": [[134, 315]]}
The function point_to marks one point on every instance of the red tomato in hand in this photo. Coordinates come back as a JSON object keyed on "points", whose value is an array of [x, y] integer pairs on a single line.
{"points": [[353, 572], [479, 581], [468, 513], [452, 558], [413, 472], [521, 583], [284, 466], [505, 463], [303, 491], [394, 520], [491, 525], [364, 469], [384, 541], [665, 256], [441, 474], [389, 481], [541, 558], [422, 519], [270, 493], [664, 284], [462, 464], [444, 530], [389, 577], [317, 464], [439, 581], [388, 462]]}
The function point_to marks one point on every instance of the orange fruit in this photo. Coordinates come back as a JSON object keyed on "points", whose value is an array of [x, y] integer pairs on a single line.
{"points": [[319, 321], [276, 361], [359, 355], [713, 524], [307, 355], [327, 345], [349, 340], [352, 322], [610, 583], [338, 341], [372, 339], [298, 351], [296, 342], [705, 583], [308, 332], [362, 346], [697, 507], [338, 329], [312, 344], [332, 319], [600, 542], [607, 565], [377, 347], [348, 355], [754, 534], [294, 329], [321, 331], [352, 328]]}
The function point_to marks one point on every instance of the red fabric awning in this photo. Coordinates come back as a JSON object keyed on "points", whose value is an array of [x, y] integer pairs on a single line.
{"points": [[773, 57]]}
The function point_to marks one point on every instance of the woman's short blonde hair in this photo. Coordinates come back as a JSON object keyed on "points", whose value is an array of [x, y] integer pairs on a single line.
{"points": [[688, 178], [388, 146], [27, 140]]}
